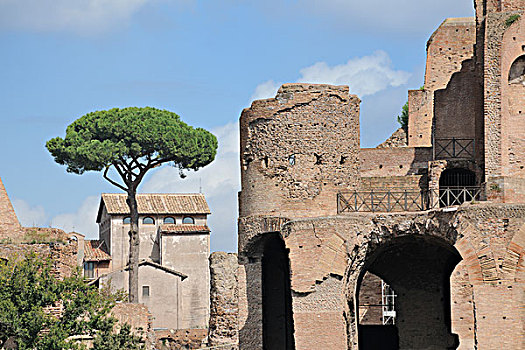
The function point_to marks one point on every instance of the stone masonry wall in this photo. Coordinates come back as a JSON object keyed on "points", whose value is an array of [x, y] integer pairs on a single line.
{"points": [[224, 300], [286, 168]]}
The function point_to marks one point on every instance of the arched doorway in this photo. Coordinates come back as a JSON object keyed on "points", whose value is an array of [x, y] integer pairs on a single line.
{"points": [[457, 186], [276, 295], [418, 270]]}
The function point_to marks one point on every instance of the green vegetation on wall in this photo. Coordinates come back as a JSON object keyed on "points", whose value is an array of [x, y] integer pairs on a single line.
{"points": [[28, 288], [509, 21]]}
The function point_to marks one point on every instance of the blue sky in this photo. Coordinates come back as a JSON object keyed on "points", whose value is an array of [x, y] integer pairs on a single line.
{"points": [[206, 61]]}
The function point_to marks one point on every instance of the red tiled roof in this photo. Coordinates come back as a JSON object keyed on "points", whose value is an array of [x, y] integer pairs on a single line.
{"points": [[156, 203], [184, 228], [95, 251]]}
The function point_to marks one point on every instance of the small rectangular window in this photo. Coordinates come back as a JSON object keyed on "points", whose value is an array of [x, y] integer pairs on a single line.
{"points": [[89, 270], [145, 291]]}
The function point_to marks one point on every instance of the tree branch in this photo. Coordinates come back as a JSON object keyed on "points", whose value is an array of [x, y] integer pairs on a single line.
{"points": [[139, 164], [114, 183]]}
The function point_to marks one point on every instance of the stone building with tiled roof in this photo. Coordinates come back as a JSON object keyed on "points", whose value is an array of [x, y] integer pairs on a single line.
{"points": [[174, 249]]}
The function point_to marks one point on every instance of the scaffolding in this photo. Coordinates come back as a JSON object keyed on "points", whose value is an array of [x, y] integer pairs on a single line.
{"points": [[388, 297]]}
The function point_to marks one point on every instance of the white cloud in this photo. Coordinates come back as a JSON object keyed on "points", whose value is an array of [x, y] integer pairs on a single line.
{"points": [[82, 16], [82, 221], [365, 75], [29, 216], [267, 89], [220, 183]]}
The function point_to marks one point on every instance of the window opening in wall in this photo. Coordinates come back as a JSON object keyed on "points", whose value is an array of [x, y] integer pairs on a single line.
{"points": [[291, 159], [188, 220], [517, 71], [145, 291], [318, 159], [89, 269], [148, 220], [169, 220], [126, 220]]}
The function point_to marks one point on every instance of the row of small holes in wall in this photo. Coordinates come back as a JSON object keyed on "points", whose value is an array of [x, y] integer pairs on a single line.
{"points": [[318, 160], [381, 166], [450, 49]]}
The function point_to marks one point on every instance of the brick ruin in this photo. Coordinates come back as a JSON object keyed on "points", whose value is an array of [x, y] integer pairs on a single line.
{"points": [[440, 218]]}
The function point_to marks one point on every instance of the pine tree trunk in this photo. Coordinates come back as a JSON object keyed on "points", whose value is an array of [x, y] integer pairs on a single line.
{"points": [[134, 248]]}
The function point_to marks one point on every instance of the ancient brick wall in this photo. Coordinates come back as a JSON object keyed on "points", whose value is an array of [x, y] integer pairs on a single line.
{"points": [[502, 104], [63, 254], [512, 5], [397, 161], [224, 300], [450, 45], [458, 109], [513, 112], [136, 315], [181, 339], [420, 113], [408, 182], [286, 167], [370, 300], [398, 139], [488, 238]]}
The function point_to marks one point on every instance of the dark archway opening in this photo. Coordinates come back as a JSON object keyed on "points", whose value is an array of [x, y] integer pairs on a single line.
{"points": [[276, 296], [457, 186], [517, 71], [418, 269]]}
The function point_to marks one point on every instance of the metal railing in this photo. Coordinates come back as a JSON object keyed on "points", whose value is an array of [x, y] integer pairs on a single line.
{"points": [[381, 201], [452, 148], [450, 196], [399, 200]]}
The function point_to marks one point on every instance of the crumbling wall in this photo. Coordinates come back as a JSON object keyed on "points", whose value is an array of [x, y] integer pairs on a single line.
{"points": [[450, 45], [175, 339], [137, 316], [458, 111], [398, 139], [63, 254], [224, 300], [286, 167]]}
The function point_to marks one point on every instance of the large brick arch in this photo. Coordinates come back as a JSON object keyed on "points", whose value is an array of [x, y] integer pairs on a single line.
{"points": [[328, 255]]}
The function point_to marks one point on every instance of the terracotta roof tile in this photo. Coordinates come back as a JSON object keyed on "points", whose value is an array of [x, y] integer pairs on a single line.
{"points": [[156, 203], [184, 228], [95, 251]]}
